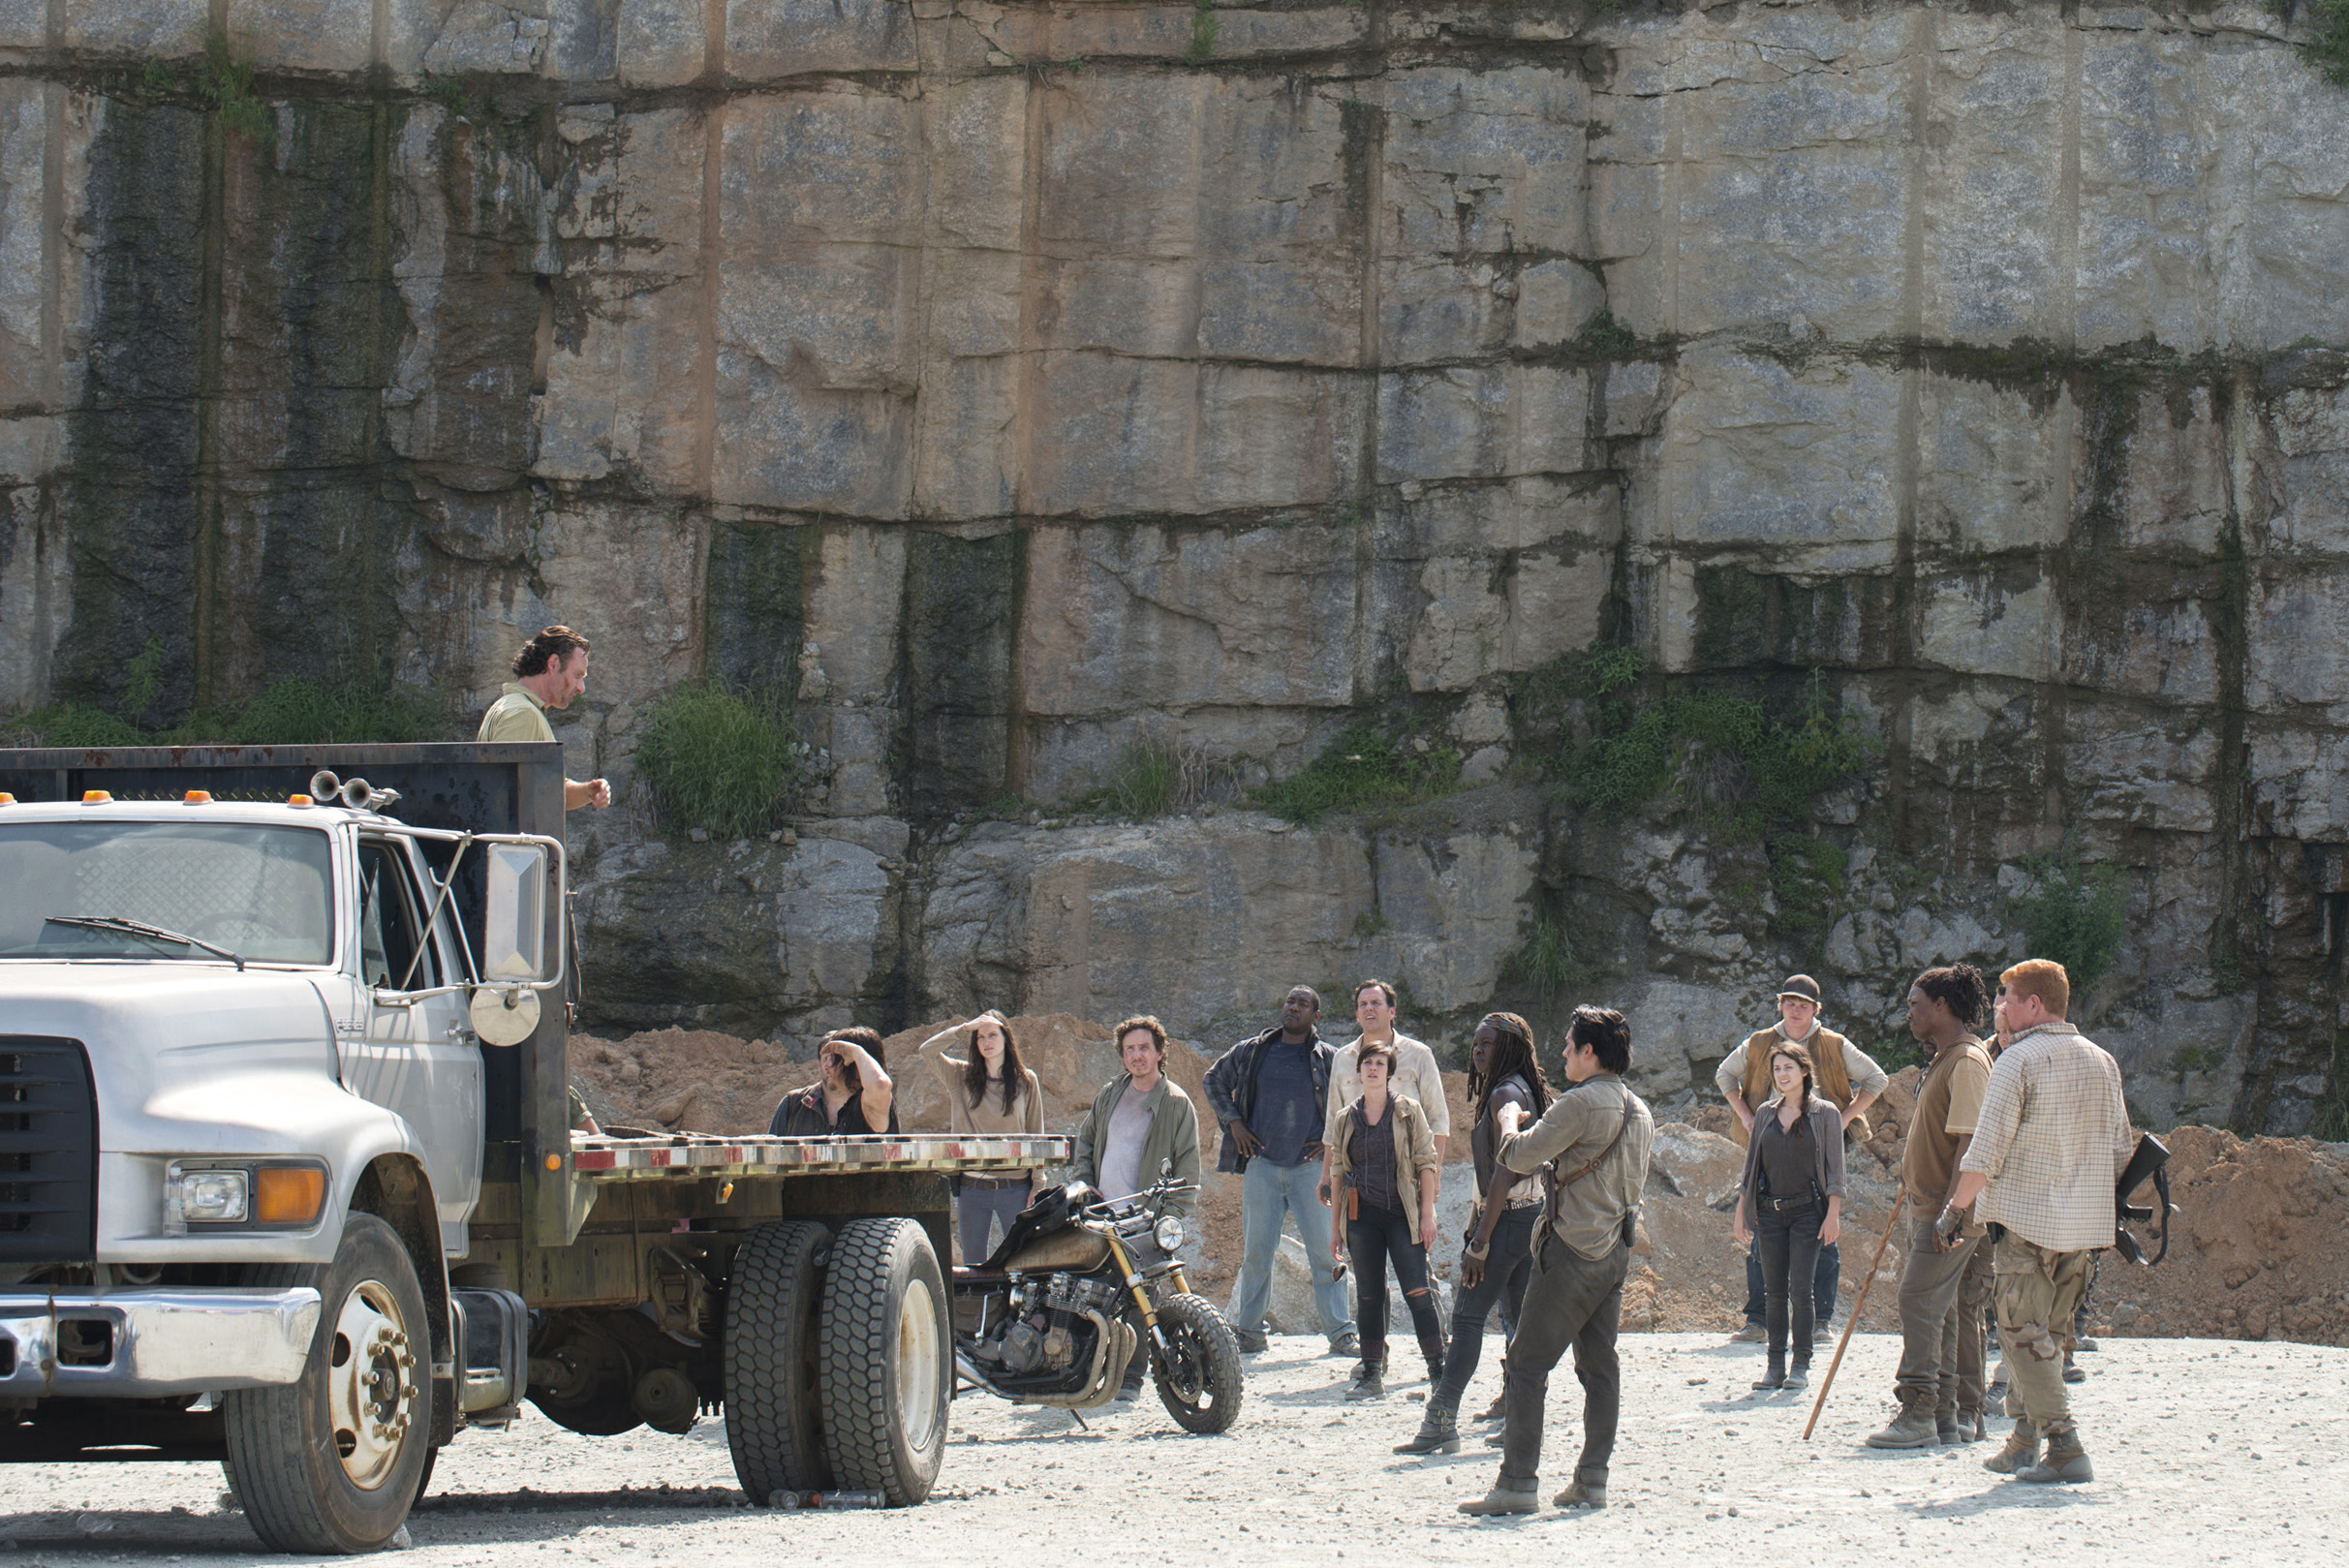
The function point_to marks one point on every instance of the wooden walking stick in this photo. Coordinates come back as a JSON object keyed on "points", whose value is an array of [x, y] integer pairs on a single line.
{"points": [[1853, 1321]]}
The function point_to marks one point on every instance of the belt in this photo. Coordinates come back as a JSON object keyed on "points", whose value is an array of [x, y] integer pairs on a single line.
{"points": [[1519, 1198], [1781, 1206]]}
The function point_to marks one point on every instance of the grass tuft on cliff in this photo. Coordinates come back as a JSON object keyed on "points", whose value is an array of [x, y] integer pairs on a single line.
{"points": [[289, 711], [2328, 48], [2075, 916], [1721, 754], [1362, 770], [718, 761]]}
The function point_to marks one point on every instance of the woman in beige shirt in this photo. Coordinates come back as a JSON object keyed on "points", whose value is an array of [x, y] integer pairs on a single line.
{"points": [[988, 1094]]}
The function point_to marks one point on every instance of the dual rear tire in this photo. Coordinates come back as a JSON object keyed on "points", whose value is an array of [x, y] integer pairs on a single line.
{"points": [[839, 1360]]}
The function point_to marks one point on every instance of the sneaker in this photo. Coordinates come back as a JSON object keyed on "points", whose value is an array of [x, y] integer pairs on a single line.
{"points": [[1252, 1342], [1347, 1343], [1752, 1334], [1369, 1383]]}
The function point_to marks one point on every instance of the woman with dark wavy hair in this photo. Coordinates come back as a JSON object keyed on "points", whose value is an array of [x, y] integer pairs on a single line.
{"points": [[1497, 1258], [1790, 1204], [989, 1093]]}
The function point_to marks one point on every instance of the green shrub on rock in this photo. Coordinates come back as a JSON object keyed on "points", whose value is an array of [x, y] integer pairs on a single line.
{"points": [[719, 760], [1361, 770], [2075, 916]]}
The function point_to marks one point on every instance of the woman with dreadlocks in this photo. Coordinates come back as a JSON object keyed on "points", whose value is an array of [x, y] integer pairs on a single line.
{"points": [[1502, 1070]]}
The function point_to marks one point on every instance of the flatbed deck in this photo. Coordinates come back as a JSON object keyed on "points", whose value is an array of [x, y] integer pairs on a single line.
{"points": [[600, 1158]]}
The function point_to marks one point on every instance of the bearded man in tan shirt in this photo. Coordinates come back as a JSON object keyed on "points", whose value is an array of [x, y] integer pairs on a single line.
{"points": [[2047, 1156]]}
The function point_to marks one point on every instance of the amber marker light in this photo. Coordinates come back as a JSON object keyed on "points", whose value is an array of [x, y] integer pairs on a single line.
{"points": [[200, 797], [554, 1162], [299, 800], [95, 797], [288, 1194], [6, 799]]}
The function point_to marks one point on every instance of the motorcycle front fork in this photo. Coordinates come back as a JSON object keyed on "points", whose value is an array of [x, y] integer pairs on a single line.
{"points": [[1139, 1290]]}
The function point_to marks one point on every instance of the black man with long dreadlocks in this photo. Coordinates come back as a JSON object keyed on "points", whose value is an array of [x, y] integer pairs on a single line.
{"points": [[1498, 1257]]}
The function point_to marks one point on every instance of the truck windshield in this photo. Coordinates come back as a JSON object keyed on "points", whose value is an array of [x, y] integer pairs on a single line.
{"points": [[263, 893]]}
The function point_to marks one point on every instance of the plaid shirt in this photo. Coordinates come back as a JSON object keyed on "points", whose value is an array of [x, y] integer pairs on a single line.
{"points": [[2052, 1139]]}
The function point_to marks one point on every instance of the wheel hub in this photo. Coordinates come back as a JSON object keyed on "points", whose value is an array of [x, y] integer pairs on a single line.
{"points": [[918, 1360], [371, 1385]]}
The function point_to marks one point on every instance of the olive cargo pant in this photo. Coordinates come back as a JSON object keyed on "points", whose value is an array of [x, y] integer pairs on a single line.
{"points": [[2035, 1291], [1940, 1363], [1571, 1302]]}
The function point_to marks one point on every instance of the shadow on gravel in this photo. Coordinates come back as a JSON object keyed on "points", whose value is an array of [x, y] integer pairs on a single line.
{"points": [[2007, 1494]]}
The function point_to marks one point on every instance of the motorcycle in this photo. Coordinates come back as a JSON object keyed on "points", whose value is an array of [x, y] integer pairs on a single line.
{"points": [[1079, 1287]]}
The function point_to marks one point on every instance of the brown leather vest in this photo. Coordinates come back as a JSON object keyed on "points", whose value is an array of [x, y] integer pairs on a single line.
{"points": [[1827, 1075]]}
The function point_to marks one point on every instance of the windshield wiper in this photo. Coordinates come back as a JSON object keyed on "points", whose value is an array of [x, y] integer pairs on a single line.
{"points": [[139, 928]]}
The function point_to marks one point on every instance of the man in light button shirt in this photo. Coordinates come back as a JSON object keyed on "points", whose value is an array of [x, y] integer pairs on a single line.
{"points": [[2048, 1152]]}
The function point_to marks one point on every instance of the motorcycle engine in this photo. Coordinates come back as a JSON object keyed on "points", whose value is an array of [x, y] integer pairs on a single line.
{"points": [[1044, 1329]]}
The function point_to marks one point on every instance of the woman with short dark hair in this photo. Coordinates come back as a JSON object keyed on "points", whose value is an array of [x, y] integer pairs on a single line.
{"points": [[1790, 1203], [1383, 1190], [989, 1095]]}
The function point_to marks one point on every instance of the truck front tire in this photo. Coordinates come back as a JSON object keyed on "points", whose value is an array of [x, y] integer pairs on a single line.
{"points": [[331, 1463], [886, 1361], [771, 1306]]}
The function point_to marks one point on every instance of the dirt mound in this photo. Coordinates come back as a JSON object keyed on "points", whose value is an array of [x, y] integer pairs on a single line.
{"points": [[673, 1080]]}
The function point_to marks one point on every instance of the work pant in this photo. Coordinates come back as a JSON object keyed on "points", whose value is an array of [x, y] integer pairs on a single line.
{"points": [[1940, 1351], [976, 1211], [2035, 1291], [1569, 1300], [1373, 1237], [1507, 1266], [1268, 1194], [1788, 1246], [1828, 1277]]}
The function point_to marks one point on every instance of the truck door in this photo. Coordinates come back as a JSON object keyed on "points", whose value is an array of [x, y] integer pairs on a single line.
{"points": [[417, 1054]]}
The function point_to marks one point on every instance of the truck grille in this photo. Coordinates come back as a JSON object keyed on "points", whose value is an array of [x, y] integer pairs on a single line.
{"points": [[48, 1152]]}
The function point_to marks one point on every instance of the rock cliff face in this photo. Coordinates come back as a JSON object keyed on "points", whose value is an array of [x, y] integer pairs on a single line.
{"points": [[1012, 384]]}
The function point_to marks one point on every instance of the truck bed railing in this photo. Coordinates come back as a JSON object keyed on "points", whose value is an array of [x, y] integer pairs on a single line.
{"points": [[599, 1159]]}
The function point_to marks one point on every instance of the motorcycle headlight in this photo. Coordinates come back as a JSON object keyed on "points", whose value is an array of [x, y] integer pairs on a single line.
{"points": [[1170, 1234]]}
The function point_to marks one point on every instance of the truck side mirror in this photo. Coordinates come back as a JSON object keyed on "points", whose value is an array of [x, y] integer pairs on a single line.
{"points": [[513, 928]]}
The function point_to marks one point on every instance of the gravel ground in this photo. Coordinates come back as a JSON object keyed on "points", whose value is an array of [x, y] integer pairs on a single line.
{"points": [[2207, 1451]]}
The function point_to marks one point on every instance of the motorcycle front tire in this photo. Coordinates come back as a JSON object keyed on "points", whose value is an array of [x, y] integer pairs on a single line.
{"points": [[1199, 1376]]}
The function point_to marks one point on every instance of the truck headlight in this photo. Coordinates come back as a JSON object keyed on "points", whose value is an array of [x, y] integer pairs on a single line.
{"points": [[213, 1197], [264, 1194], [1170, 1234]]}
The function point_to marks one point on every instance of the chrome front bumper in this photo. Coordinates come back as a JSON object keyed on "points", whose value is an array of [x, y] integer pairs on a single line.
{"points": [[132, 1343]]}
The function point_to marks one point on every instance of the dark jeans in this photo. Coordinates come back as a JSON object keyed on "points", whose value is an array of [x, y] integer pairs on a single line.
{"points": [[977, 1210], [1569, 1301], [1508, 1265], [1829, 1280], [1788, 1245], [1373, 1238]]}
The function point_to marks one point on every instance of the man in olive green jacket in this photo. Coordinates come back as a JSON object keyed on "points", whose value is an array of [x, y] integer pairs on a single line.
{"points": [[1138, 1121]]}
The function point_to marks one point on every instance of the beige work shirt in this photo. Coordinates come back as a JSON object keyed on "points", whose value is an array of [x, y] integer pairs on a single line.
{"points": [[2054, 1137], [1415, 1074], [517, 715], [1588, 1214]]}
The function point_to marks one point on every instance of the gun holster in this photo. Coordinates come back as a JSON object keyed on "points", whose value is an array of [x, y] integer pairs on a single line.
{"points": [[2151, 1162]]}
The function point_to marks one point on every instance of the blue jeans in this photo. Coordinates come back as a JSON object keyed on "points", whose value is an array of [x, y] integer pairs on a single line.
{"points": [[1825, 1283], [1268, 1194]]}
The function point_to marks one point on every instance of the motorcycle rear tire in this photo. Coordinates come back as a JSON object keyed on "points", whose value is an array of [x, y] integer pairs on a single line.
{"points": [[886, 1361], [770, 1360], [1201, 1380]]}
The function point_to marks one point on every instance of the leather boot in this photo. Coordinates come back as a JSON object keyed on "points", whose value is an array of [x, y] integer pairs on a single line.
{"points": [[1585, 1492], [1775, 1377], [1438, 1434], [2021, 1450], [2066, 1461], [1798, 1375], [1969, 1427], [1432, 1347], [1506, 1498], [1913, 1428]]}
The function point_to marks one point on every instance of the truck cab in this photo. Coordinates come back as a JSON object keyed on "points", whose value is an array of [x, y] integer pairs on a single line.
{"points": [[288, 1175]]}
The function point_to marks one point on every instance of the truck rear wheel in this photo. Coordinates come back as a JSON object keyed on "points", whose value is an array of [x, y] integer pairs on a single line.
{"points": [[888, 1361], [770, 1359], [332, 1461]]}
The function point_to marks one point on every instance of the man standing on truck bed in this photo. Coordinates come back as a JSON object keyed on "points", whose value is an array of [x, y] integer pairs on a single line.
{"points": [[549, 672]]}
